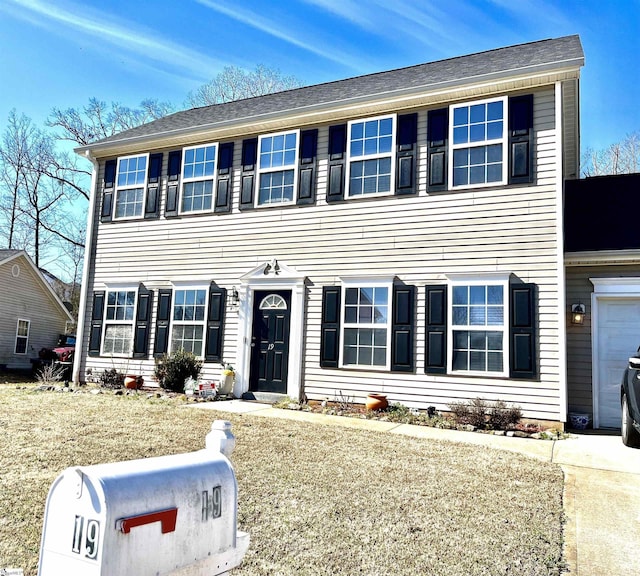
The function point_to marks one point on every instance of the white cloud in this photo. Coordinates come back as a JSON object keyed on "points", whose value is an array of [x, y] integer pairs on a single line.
{"points": [[107, 29]]}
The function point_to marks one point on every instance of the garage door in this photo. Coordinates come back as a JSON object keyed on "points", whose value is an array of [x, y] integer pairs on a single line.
{"points": [[618, 337]]}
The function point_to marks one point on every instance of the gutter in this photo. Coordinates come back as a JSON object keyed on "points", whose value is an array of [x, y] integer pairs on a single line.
{"points": [[88, 250], [558, 66]]}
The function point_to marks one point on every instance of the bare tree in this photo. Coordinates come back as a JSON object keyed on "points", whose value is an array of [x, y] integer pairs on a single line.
{"points": [[234, 83], [620, 158], [98, 120]]}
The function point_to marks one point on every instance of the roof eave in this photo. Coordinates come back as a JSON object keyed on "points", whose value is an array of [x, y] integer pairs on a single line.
{"points": [[558, 67]]}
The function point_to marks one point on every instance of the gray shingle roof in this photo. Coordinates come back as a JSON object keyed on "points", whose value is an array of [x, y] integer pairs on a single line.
{"points": [[512, 59], [5, 254]]}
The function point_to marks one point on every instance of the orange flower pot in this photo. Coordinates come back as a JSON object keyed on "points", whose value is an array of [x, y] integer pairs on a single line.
{"points": [[376, 402], [133, 382]]}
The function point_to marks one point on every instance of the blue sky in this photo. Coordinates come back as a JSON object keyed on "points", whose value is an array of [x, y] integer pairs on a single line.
{"points": [[60, 53]]}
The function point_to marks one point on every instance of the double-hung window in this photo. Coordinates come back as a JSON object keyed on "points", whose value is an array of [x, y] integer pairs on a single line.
{"points": [[479, 143], [198, 176], [131, 182], [22, 336], [478, 321], [119, 317], [277, 168], [366, 323], [188, 320], [371, 156]]}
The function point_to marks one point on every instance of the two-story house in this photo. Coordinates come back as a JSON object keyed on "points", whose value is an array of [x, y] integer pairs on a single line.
{"points": [[398, 232]]}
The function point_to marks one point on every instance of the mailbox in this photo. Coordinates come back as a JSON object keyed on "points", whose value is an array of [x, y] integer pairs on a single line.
{"points": [[167, 515]]}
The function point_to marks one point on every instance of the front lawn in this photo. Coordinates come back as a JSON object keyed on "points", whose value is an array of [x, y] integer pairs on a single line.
{"points": [[315, 499]]}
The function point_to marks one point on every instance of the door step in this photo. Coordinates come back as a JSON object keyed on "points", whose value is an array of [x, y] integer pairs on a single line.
{"points": [[264, 397]]}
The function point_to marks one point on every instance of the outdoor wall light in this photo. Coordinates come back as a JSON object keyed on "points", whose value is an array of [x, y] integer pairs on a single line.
{"points": [[577, 313], [235, 297]]}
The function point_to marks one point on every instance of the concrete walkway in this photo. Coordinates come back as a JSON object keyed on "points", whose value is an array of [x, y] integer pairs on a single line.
{"points": [[602, 483]]}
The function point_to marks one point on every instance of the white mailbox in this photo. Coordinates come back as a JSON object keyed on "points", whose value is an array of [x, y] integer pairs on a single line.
{"points": [[169, 515]]}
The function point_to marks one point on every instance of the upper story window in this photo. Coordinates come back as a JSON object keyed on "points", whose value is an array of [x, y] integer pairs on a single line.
{"points": [[277, 168], [479, 143], [366, 326], [130, 186], [22, 336], [119, 315], [198, 175], [478, 325], [188, 320], [371, 156]]}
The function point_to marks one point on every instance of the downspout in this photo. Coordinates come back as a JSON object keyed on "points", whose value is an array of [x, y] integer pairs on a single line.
{"points": [[562, 288], [88, 249]]}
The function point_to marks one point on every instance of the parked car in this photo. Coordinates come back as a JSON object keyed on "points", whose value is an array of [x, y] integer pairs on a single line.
{"points": [[630, 403], [63, 350]]}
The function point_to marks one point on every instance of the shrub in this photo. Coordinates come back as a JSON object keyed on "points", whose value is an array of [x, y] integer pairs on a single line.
{"points": [[172, 371], [50, 373], [482, 414], [111, 379]]}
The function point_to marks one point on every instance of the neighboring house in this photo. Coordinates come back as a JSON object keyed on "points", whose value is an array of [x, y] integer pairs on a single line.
{"points": [[31, 314], [398, 232], [602, 255]]}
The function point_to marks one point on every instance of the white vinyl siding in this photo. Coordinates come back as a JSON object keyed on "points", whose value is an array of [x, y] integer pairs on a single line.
{"points": [[417, 238]]}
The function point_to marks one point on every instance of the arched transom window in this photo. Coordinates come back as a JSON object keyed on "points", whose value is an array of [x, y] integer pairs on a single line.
{"points": [[273, 302]]}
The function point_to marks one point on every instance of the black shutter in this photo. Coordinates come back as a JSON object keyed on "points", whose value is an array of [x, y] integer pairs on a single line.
{"points": [[522, 330], [109, 183], [173, 184], [437, 141], [402, 329], [521, 139], [330, 327], [249, 159], [407, 139], [307, 176], [97, 315], [215, 324], [435, 353], [152, 204], [143, 318], [225, 172], [163, 319], [337, 158]]}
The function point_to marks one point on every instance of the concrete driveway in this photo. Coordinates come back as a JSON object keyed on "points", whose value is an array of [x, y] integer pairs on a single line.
{"points": [[601, 494]]}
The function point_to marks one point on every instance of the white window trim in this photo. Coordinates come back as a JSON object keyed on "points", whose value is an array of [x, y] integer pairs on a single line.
{"points": [[190, 286], [350, 159], [370, 282], [260, 171], [504, 140], [213, 179], [15, 344], [132, 322], [479, 280], [119, 188]]}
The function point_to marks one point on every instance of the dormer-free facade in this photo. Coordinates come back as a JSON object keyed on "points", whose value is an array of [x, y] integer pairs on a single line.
{"points": [[399, 232]]}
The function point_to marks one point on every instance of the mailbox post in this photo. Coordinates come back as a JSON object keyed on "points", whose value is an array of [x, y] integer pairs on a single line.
{"points": [[170, 515]]}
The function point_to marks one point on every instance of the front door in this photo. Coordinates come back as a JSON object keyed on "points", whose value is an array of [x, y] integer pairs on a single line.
{"points": [[270, 341]]}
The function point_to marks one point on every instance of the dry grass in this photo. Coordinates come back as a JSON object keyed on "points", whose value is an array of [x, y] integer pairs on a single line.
{"points": [[315, 499]]}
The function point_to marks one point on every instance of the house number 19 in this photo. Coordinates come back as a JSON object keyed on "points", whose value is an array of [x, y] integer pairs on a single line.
{"points": [[85, 537]]}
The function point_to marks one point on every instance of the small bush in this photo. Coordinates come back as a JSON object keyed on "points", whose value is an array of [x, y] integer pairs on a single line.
{"points": [[50, 373], [486, 415], [172, 371], [111, 379]]}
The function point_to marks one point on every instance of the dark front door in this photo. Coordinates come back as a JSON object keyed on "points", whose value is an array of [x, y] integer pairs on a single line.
{"points": [[270, 341]]}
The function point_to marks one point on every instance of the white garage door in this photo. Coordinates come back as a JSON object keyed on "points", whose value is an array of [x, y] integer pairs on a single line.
{"points": [[618, 337]]}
